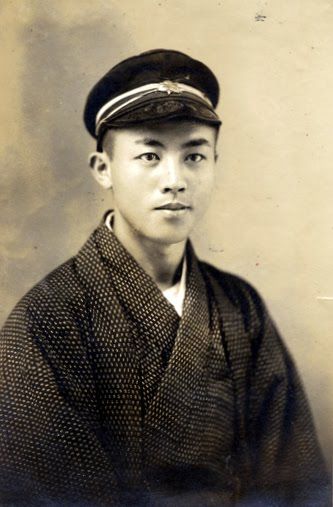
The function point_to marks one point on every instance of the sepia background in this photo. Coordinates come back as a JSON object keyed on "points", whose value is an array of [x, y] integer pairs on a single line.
{"points": [[271, 218]]}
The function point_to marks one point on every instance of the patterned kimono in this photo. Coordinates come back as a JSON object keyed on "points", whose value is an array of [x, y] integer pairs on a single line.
{"points": [[108, 397]]}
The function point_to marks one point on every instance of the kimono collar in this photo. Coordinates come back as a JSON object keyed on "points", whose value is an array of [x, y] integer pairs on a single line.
{"points": [[175, 294]]}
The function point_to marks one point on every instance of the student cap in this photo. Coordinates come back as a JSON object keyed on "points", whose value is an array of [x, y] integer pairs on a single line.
{"points": [[155, 85]]}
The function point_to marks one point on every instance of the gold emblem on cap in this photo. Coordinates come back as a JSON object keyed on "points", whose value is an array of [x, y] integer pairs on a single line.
{"points": [[169, 87]]}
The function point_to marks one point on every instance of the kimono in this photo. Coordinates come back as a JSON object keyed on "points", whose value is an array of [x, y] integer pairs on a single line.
{"points": [[109, 398]]}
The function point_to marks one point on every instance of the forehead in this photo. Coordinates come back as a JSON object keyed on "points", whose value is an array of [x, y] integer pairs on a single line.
{"points": [[168, 131]]}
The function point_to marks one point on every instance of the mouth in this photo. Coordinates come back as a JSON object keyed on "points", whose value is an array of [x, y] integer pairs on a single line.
{"points": [[173, 206]]}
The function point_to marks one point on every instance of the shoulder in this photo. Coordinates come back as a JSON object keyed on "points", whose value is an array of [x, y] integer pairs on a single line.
{"points": [[245, 312], [236, 290], [52, 298]]}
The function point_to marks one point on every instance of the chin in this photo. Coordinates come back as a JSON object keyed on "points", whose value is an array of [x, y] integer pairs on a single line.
{"points": [[169, 238]]}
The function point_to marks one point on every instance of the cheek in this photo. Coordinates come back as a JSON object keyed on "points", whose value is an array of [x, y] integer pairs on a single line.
{"points": [[204, 187], [123, 194], [130, 193], [123, 181]]}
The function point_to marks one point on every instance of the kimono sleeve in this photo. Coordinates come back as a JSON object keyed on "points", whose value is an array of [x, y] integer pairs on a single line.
{"points": [[50, 450], [286, 464]]}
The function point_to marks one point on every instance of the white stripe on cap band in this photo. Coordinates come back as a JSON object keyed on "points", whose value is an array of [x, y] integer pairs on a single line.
{"points": [[165, 86], [119, 108]]}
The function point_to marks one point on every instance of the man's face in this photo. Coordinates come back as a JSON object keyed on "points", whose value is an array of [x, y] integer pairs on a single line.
{"points": [[161, 178]]}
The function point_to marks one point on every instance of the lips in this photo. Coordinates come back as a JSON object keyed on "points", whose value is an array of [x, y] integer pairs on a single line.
{"points": [[174, 206]]}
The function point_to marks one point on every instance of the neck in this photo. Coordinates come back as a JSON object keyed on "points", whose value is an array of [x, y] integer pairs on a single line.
{"points": [[160, 261]]}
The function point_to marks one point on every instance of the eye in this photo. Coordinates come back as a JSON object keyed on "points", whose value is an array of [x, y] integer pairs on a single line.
{"points": [[195, 157], [148, 157]]}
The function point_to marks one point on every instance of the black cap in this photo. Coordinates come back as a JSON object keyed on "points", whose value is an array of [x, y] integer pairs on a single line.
{"points": [[156, 85]]}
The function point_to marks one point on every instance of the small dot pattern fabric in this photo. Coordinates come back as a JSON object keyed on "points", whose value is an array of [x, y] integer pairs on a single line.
{"points": [[109, 398]]}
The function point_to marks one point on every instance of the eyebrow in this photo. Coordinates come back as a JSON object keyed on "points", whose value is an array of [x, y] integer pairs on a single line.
{"points": [[148, 141], [196, 142]]}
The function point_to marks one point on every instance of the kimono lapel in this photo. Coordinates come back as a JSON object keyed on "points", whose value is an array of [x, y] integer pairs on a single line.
{"points": [[115, 361], [169, 411], [154, 321]]}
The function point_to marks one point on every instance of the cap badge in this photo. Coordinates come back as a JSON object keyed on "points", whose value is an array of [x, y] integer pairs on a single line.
{"points": [[169, 87]]}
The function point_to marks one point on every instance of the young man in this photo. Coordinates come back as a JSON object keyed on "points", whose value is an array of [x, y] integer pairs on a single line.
{"points": [[135, 374]]}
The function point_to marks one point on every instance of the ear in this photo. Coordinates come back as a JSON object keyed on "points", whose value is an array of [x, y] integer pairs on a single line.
{"points": [[100, 166]]}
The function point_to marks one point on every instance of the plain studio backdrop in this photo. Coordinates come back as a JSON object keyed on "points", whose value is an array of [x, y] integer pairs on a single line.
{"points": [[271, 216]]}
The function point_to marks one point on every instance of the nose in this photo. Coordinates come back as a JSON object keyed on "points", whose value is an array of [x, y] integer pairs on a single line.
{"points": [[173, 178]]}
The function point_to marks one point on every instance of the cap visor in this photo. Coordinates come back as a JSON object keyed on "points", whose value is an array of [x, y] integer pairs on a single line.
{"points": [[164, 108]]}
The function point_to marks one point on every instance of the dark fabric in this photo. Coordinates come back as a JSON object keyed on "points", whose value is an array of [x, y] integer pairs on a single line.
{"points": [[99, 407]]}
